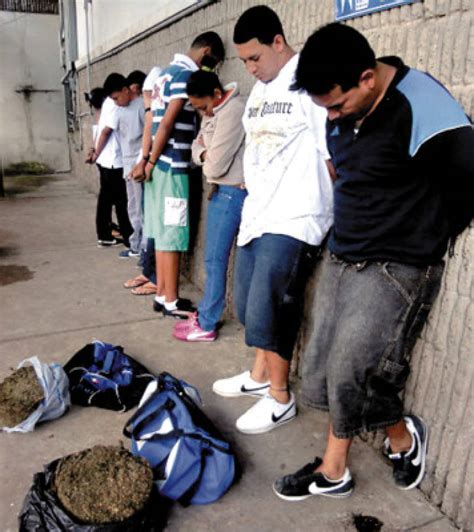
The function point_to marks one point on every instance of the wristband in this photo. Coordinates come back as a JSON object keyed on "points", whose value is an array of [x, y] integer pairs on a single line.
{"points": [[151, 162], [147, 109], [146, 158]]}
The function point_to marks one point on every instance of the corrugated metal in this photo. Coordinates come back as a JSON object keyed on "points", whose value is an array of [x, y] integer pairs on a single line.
{"points": [[31, 6]]}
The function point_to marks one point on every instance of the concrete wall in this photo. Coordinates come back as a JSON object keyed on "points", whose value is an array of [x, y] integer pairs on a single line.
{"points": [[436, 35], [130, 18], [33, 123]]}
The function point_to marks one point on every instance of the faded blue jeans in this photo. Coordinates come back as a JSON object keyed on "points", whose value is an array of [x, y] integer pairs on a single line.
{"points": [[269, 282], [223, 220], [366, 319]]}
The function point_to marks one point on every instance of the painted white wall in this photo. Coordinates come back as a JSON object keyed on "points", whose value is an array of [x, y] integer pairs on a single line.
{"points": [[111, 22], [33, 128]]}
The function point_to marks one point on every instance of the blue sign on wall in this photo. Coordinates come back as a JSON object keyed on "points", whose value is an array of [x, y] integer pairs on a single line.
{"points": [[356, 8]]}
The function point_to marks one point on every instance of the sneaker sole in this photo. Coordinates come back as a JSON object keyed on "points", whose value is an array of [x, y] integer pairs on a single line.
{"points": [[419, 478], [176, 316], [297, 498], [266, 429], [195, 339]]}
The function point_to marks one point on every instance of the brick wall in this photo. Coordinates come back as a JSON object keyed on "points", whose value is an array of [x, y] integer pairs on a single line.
{"points": [[435, 35]]}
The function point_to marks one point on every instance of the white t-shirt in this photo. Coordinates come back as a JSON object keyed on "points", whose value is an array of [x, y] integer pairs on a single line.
{"points": [[128, 123], [288, 183], [110, 156], [150, 83]]}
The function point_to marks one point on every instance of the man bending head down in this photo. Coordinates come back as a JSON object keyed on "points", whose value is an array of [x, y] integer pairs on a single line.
{"points": [[168, 159], [391, 228], [285, 217]]}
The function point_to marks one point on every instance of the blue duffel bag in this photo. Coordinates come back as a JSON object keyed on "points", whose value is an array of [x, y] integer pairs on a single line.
{"points": [[191, 461]]}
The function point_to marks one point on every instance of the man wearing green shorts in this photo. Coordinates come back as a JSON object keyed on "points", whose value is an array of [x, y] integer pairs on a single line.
{"points": [[166, 171]]}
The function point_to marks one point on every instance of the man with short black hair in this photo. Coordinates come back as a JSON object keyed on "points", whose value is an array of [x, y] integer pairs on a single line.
{"points": [[167, 167], [285, 217], [135, 81], [395, 135], [108, 156], [128, 124]]}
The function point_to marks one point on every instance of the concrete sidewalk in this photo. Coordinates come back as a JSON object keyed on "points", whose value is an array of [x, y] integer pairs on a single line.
{"points": [[58, 291]]}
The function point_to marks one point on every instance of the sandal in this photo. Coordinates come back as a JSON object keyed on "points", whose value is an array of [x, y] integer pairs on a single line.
{"points": [[146, 289], [135, 282]]}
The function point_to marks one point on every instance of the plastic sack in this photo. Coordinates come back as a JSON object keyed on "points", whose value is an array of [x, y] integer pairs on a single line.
{"points": [[56, 401], [43, 512]]}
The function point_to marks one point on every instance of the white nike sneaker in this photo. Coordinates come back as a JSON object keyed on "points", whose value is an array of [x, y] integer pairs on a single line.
{"points": [[267, 414], [242, 384]]}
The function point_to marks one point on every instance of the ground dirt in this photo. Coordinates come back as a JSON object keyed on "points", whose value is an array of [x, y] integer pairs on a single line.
{"points": [[20, 394], [103, 484]]}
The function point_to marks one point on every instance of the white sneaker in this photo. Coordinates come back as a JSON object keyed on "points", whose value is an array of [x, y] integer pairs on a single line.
{"points": [[266, 415], [242, 384]]}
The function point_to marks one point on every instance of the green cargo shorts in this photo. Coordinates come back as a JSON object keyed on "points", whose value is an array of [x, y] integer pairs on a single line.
{"points": [[167, 210]]}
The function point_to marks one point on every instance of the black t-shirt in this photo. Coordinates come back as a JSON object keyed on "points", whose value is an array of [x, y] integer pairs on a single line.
{"points": [[388, 198]]}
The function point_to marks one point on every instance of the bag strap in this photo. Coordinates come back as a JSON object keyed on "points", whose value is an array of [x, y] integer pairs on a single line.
{"points": [[209, 443], [168, 405], [176, 385], [109, 360]]}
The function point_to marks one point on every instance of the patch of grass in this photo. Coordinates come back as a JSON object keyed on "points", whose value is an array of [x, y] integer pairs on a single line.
{"points": [[19, 184], [28, 168]]}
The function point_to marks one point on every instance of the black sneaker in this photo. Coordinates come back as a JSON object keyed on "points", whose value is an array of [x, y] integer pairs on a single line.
{"points": [[157, 306], [306, 483], [409, 466], [184, 308]]}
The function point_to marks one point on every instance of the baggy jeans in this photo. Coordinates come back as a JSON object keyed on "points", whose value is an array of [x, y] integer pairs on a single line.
{"points": [[367, 317]]}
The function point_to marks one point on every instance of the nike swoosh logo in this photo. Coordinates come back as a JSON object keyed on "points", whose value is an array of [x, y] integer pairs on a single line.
{"points": [[243, 389], [276, 419]]}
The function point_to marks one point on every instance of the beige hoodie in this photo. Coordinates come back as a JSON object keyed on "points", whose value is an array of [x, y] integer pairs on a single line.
{"points": [[222, 137]]}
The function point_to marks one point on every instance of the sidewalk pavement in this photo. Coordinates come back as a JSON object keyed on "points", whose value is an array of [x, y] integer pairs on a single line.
{"points": [[58, 291]]}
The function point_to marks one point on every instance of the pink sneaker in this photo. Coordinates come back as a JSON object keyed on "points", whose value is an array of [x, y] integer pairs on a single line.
{"points": [[194, 333], [185, 324]]}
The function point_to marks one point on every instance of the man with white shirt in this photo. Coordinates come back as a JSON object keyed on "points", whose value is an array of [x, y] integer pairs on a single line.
{"points": [[108, 157], [285, 217]]}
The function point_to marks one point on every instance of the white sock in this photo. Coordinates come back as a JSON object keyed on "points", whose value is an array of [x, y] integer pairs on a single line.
{"points": [[170, 305], [160, 299]]}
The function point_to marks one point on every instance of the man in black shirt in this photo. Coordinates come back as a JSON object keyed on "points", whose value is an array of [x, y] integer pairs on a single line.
{"points": [[402, 148]]}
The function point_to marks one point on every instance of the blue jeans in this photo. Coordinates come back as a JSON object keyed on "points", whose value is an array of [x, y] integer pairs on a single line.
{"points": [[223, 220], [148, 261], [270, 277], [366, 319]]}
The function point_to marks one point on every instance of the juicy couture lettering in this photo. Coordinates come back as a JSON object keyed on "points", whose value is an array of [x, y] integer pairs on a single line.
{"points": [[270, 108]]}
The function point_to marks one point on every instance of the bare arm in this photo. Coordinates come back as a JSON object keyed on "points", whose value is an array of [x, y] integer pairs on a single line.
{"points": [[138, 171], [332, 170], [163, 134], [198, 150]]}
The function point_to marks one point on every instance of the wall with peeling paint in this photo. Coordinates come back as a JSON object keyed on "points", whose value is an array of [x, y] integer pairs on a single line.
{"points": [[32, 112]]}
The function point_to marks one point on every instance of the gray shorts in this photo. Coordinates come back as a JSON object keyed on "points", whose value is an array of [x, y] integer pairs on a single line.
{"points": [[367, 317]]}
